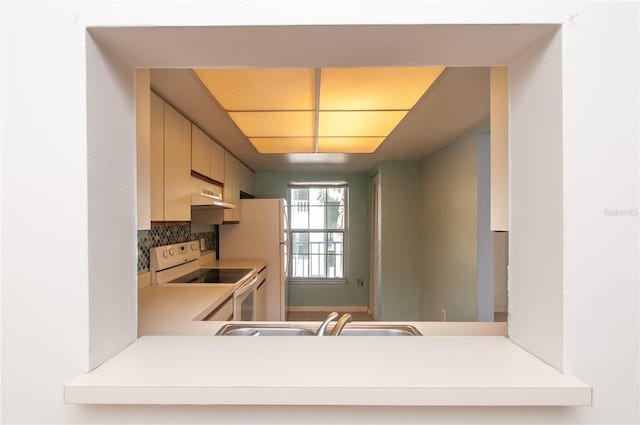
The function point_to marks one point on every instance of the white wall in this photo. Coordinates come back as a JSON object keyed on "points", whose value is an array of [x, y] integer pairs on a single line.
{"points": [[535, 195], [600, 174], [45, 310], [45, 292], [111, 173]]}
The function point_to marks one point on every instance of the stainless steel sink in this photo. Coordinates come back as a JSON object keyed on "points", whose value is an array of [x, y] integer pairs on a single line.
{"points": [[243, 330], [380, 330], [284, 329]]}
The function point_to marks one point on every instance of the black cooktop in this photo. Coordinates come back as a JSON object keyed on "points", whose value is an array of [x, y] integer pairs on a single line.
{"points": [[213, 276]]}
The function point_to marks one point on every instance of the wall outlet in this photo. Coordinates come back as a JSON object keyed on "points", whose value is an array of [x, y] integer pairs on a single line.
{"points": [[202, 245], [443, 315]]}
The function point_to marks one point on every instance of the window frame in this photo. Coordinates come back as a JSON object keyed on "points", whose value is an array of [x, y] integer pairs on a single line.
{"points": [[345, 234]]}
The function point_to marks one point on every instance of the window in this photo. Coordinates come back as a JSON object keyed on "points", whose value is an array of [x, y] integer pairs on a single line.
{"points": [[318, 227]]}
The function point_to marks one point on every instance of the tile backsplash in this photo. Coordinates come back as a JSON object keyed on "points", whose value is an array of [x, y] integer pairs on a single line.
{"points": [[167, 235]]}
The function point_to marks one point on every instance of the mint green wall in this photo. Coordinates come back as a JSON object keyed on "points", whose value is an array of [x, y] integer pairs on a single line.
{"points": [[400, 240], [428, 258], [448, 230], [274, 185]]}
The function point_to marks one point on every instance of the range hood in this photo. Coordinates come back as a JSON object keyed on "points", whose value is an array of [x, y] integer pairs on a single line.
{"points": [[204, 198], [207, 195], [207, 204]]}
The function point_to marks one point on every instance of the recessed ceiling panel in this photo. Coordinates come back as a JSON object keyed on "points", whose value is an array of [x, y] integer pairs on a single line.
{"points": [[349, 144], [275, 124], [374, 88], [358, 123], [261, 89], [283, 144], [352, 110]]}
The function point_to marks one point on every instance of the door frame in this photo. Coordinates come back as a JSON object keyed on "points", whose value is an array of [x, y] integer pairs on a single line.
{"points": [[375, 246]]}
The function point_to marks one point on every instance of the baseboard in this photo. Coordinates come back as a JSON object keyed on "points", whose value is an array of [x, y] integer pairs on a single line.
{"points": [[336, 308]]}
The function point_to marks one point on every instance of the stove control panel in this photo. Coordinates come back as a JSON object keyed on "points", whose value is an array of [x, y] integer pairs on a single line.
{"points": [[164, 257]]}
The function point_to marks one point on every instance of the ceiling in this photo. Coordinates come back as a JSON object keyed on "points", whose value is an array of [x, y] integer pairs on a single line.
{"points": [[457, 101], [317, 110]]}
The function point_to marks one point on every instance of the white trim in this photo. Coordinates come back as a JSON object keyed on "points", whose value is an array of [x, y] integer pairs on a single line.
{"points": [[339, 309], [375, 244]]}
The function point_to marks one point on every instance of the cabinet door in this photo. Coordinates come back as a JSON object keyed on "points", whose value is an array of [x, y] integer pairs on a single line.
{"points": [[231, 187], [200, 156], [216, 162], [177, 166], [247, 180], [143, 148], [499, 123], [157, 158]]}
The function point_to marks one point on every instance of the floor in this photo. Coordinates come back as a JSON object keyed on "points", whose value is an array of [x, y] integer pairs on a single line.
{"points": [[321, 315], [295, 316]]}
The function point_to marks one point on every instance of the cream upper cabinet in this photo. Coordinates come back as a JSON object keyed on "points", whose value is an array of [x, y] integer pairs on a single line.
{"points": [[216, 162], [177, 166], [157, 158], [200, 158], [207, 157], [231, 187], [247, 180], [143, 147]]}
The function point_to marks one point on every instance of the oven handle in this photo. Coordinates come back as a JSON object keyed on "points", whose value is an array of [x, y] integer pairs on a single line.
{"points": [[246, 287]]}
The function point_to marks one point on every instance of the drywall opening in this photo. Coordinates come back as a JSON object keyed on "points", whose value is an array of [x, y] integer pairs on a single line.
{"points": [[532, 52]]}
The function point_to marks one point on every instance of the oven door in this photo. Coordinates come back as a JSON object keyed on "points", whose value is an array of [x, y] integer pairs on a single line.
{"points": [[245, 301]]}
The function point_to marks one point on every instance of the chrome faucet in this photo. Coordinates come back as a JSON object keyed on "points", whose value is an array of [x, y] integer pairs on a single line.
{"points": [[323, 327], [344, 319]]}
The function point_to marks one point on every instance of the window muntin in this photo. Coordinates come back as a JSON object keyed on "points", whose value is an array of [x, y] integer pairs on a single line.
{"points": [[318, 227]]}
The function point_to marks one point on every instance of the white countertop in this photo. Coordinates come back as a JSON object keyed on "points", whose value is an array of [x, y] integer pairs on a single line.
{"points": [[178, 309], [411, 371], [188, 365]]}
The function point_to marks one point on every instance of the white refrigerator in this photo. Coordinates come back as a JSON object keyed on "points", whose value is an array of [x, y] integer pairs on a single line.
{"points": [[261, 234]]}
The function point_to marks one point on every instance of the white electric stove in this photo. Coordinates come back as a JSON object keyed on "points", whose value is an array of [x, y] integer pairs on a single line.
{"points": [[179, 264]]}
